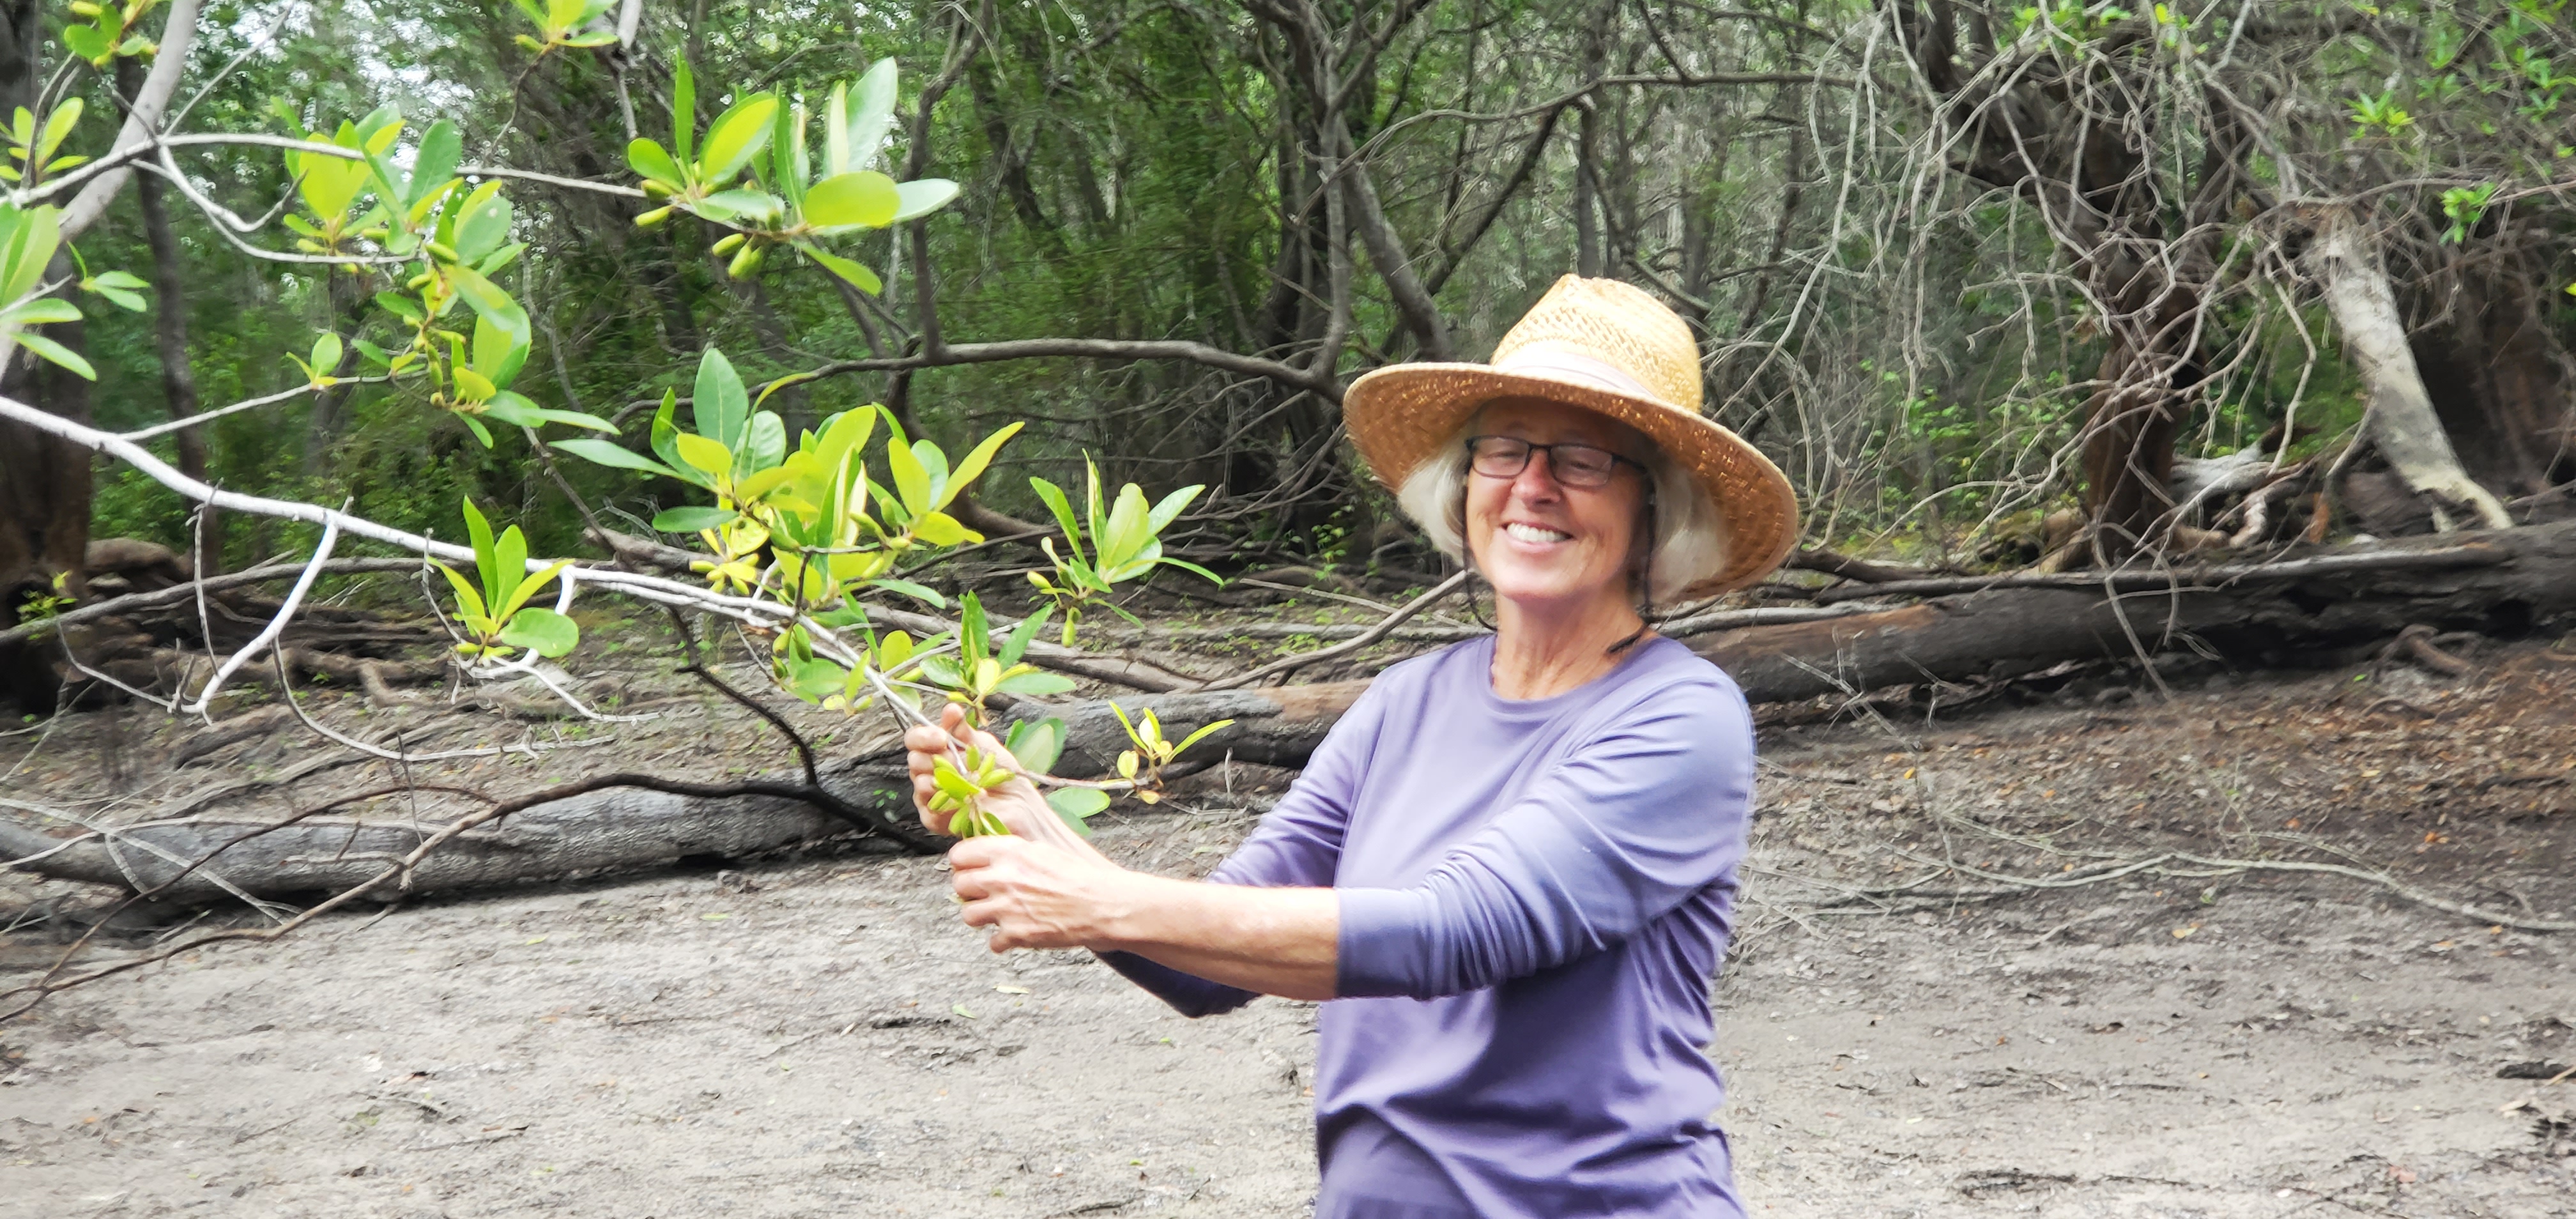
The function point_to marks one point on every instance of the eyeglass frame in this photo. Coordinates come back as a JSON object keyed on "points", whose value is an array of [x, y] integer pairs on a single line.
{"points": [[1554, 471]]}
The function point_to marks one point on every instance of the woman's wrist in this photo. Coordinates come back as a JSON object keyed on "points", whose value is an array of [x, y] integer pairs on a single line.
{"points": [[1135, 910]]}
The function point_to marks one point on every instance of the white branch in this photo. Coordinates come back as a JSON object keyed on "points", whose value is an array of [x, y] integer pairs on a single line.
{"points": [[276, 624], [748, 610]]}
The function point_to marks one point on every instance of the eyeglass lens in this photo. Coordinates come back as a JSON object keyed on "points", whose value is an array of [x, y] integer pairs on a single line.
{"points": [[1575, 465]]}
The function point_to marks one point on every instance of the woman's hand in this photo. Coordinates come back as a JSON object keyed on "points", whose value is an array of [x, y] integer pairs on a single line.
{"points": [[1040, 886], [1039, 895], [1016, 803]]}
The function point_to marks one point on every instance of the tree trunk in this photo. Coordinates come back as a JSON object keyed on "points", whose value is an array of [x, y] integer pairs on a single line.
{"points": [[2498, 380], [2401, 421], [170, 334], [44, 482]]}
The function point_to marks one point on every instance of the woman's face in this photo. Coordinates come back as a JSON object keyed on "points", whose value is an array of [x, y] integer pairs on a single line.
{"points": [[1538, 541]]}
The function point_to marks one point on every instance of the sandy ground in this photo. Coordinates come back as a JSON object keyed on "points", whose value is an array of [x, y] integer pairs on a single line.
{"points": [[816, 1035]]}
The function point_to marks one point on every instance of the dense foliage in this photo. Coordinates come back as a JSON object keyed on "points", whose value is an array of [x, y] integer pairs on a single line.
{"points": [[1910, 233]]}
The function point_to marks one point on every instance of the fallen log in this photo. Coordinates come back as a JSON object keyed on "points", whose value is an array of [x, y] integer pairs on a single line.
{"points": [[2504, 582], [2521, 579], [619, 829]]}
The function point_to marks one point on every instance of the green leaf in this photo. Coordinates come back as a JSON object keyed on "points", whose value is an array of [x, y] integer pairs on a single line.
{"points": [[542, 631], [664, 436], [764, 444], [684, 109], [973, 630], [869, 113], [1202, 734], [88, 42], [58, 127], [1023, 635], [1074, 804], [735, 137], [1036, 744], [57, 353], [650, 161], [740, 203], [510, 557], [499, 353], [529, 588], [475, 426], [911, 478], [41, 310], [920, 197], [479, 532], [941, 529], [483, 223], [400, 306], [761, 484], [857, 274], [719, 402], [1053, 497], [487, 299], [863, 199], [509, 407], [1128, 529], [787, 153], [707, 455], [918, 592], [467, 599], [1169, 508], [441, 147], [975, 462], [693, 519], [609, 453], [813, 680], [1193, 568], [1034, 684]]}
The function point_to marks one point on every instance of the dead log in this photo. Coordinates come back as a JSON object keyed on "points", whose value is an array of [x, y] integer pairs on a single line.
{"points": [[2506, 583], [626, 829]]}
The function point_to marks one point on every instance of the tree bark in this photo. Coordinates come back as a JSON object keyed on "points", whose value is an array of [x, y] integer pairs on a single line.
{"points": [[628, 828], [2400, 421], [170, 335], [2497, 374]]}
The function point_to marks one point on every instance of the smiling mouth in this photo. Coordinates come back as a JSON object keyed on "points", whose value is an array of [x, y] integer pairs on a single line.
{"points": [[1534, 533]]}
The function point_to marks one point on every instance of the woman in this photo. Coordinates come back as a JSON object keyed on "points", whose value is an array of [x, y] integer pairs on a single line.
{"points": [[1511, 865]]}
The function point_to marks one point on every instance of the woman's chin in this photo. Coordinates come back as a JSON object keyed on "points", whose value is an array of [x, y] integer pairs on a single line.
{"points": [[1540, 589]]}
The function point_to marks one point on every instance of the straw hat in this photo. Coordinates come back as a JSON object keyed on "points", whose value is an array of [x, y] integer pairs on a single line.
{"points": [[1607, 347]]}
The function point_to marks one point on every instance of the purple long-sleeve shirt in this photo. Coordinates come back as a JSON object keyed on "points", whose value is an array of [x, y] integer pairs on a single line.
{"points": [[1534, 898]]}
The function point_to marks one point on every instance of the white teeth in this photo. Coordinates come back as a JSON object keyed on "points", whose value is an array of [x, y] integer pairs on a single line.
{"points": [[1532, 533]]}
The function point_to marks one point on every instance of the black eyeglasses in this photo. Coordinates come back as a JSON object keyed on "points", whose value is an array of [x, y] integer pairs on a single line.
{"points": [[1575, 465]]}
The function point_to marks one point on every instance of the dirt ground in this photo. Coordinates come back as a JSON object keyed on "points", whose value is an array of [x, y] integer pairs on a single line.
{"points": [[816, 1034]]}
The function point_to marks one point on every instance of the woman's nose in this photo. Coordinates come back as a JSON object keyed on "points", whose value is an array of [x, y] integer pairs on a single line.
{"points": [[1537, 480]]}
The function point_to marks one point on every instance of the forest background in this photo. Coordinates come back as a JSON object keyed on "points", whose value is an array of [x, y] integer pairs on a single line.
{"points": [[1954, 265]]}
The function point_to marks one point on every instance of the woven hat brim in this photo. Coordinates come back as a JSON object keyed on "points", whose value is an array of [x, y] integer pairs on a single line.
{"points": [[1400, 415]]}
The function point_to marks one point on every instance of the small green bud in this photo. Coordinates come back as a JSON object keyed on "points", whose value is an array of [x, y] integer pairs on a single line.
{"points": [[653, 219], [727, 244], [440, 252], [745, 262], [656, 190]]}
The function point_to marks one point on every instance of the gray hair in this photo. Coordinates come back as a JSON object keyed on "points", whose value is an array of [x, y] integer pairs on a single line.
{"points": [[1689, 543]]}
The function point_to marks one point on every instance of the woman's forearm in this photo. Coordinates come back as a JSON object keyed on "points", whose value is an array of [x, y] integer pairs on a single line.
{"points": [[1276, 941]]}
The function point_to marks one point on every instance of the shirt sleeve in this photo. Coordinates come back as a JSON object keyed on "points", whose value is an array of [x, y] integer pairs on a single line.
{"points": [[1297, 845], [1645, 814]]}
